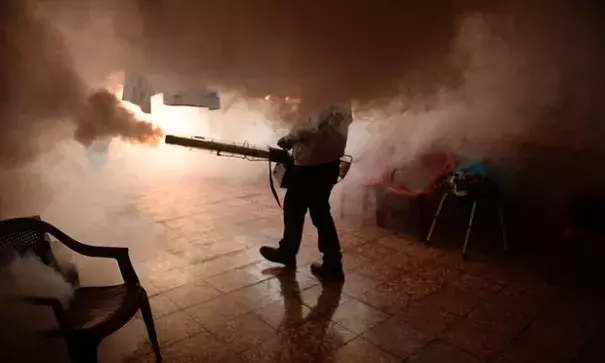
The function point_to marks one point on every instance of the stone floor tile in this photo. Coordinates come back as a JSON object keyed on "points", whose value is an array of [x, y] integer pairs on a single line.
{"points": [[241, 333], [438, 311], [161, 305], [371, 233], [283, 314], [233, 280], [422, 252], [307, 256], [313, 341], [535, 346], [273, 231], [149, 288], [232, 359], [285, 349], [360, 350], [201, 347], [222, 308], [167, 280], [358, 316], [323, 298], [373, 251], [217, 266], [175, 327], [439, 351], [322, 331], [482, 286], [396, 337], [163, 261], [179, 246], [189, 295], [266, 212], [481, 340], [351, 260], [262, 270], [500, 317], [255, 296], [177, 223], [418, 285], [304, 280], [356, 286], [385, 298], [224, 247], [398, 294], [349, 242], [377, 272], [403, 261], [251, 239]]}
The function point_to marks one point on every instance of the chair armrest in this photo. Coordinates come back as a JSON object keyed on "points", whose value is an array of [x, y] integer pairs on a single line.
{"points": [[120, 254]]}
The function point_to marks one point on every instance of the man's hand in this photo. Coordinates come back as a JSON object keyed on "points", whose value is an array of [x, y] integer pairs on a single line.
{"points": [[285, 143]]}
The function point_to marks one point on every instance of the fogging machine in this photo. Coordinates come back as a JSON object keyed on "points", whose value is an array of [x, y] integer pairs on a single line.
{"points": [[282, 158]]}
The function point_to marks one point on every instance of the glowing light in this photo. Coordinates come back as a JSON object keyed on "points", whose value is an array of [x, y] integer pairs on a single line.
{"points": [[267, 97]]}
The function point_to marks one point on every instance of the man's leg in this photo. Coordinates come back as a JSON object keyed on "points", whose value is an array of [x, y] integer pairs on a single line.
{"points": [[326, 230], [319, 208], [295, 208]]}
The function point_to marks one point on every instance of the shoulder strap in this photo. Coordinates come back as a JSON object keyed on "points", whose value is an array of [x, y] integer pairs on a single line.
{"points": [[272, 184]]}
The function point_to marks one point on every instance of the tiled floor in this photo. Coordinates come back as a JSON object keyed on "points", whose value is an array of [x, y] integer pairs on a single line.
{"points": [[215, 299]]}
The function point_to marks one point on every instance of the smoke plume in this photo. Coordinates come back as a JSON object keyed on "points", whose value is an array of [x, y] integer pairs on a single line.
{"points": [[44, 98], [518, 83], [377, 54], [23, 323]]}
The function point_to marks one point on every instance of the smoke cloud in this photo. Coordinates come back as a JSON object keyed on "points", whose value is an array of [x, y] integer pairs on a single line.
{"points": [[422, 55], [23, 341], [44, 98], [519, 84]]}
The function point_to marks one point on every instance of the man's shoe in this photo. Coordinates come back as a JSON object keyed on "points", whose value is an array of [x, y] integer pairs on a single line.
{"points": [[277, 256], [328, 273]]}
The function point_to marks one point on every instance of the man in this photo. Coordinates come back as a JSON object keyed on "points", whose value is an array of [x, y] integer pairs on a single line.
{"points": [[317, 144]]}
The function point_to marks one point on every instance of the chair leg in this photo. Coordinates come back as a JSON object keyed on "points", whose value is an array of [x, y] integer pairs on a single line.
{"points": [[435, 218], [148, 318], [503, 228], [468, 229]]}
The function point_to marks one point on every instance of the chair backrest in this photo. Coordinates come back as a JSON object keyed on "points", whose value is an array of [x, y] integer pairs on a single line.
{"points": [[423, 173], [20, 236]]}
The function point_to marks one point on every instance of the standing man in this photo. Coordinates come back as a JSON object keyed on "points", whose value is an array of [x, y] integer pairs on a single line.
{"points": [[318, 142]]}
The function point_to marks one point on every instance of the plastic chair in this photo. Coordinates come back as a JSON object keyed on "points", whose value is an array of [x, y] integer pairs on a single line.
{"points": [[94, 312], [420, 206]]}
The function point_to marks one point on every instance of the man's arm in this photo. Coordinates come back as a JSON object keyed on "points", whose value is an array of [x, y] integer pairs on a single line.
{"points": [[330, 117], [296, 135]]}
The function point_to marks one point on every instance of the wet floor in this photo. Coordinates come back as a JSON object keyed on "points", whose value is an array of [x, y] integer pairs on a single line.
{"points": [[215, 300]]}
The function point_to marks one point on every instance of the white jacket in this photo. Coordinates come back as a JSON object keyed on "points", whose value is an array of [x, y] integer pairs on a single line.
{"points": [[321, 137]]}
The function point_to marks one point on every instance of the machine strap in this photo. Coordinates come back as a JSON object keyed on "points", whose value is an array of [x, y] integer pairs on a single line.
{"points": [[272, 184]]}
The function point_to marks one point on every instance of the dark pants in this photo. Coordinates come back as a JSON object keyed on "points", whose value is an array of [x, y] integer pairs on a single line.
{"points": [[310, 188]]}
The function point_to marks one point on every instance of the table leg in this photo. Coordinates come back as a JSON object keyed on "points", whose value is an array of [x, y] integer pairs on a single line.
{"points": [[434, 223]]}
